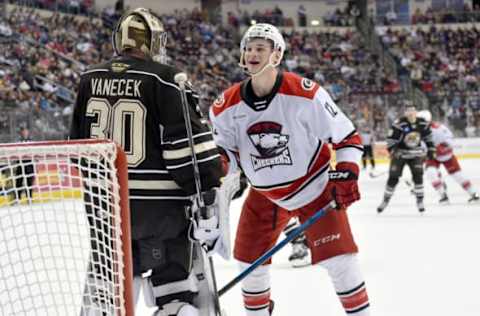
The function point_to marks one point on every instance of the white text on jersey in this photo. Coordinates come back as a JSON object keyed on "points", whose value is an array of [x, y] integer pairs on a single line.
{"points": [[116, 87]]}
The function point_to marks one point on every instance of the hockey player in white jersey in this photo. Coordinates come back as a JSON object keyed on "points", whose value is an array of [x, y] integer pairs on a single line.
{"points": [[290, 175], [443, 140]]}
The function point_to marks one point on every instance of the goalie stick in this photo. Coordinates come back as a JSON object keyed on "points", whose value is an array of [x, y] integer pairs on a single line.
{"points": [[181, 79], [269, 253]]}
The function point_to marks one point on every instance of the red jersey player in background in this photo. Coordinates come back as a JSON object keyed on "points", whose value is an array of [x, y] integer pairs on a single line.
{"points": [[443, 140], [277, 126]]}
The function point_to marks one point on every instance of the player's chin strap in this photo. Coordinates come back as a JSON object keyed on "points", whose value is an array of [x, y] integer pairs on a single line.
{"points": [[271, 63]]}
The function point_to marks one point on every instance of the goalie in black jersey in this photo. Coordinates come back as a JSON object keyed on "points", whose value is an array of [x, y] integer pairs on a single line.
{"points": [[133, 99], [404, 143]]}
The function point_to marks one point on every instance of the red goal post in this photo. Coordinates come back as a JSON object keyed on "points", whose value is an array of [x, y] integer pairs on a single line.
{"points": [[65, 245]]}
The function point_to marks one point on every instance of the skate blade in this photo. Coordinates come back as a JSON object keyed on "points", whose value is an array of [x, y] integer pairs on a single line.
{"points": [[298, 263]]}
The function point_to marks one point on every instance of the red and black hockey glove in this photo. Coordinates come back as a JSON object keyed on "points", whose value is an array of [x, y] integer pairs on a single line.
{"points": [[345, 186]]}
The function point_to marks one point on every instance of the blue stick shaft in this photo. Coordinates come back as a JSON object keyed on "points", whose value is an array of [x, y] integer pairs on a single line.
{"points": [[267, 255]]}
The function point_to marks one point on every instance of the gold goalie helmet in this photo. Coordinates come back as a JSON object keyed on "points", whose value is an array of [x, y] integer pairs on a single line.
{"points": [[140, 29]]}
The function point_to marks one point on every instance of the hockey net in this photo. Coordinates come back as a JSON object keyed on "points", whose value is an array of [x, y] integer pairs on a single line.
{"points": [[64, 229]]}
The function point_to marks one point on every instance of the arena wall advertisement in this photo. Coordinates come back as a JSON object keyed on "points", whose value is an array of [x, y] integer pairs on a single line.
{"points": [[59, 180], [54, 181]]}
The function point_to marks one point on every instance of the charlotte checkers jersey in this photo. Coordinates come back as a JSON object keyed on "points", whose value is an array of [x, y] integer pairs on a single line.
{"points": [[443, 140], [281, 140], [137, 104]]}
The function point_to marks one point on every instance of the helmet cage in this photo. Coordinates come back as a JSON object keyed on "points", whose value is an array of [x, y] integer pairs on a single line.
{"points": [[158, 36]]}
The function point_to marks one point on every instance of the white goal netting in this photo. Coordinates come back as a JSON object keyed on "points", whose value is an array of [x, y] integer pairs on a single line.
{"points": [[63, 245]]}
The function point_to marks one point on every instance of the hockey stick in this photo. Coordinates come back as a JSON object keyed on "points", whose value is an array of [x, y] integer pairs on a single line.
{"points": [[269, 253], [181, 79], [376, 175]]}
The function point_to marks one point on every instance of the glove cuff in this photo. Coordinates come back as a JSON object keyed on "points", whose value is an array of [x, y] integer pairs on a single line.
{"points": [[348, 166]]}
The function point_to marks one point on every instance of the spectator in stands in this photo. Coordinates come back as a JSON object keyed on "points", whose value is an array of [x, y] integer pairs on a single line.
{"points": [[278, 18], [232, 20], [53, 51], [302, 16]]}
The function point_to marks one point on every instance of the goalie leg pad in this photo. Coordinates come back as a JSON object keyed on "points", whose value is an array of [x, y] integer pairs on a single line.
{"points": [[174, 280], [147, 254], [137, 285], [169, 263], [162, 294], [348, 282], [205, 300], [177, 308], [157, 253]]}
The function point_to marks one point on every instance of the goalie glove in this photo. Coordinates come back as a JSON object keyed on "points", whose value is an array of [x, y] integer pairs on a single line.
{"points": [[205, 219], [210, 224], [345, 188]]}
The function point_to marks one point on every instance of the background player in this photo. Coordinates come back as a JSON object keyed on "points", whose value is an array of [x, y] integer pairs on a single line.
{"points": [[404, 143], [278, 126], [443, 140], [368, 140], [134, 100]]}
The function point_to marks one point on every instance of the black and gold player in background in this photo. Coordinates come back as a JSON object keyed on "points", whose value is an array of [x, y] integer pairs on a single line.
{"points": [[404, 143]]}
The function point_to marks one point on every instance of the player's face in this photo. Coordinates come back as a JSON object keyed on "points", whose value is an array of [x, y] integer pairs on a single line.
{"points": [[257, 54], [411, 115]]}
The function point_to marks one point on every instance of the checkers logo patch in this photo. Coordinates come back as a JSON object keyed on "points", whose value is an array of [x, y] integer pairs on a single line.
{"points": [[308, 84], [270, 143]]}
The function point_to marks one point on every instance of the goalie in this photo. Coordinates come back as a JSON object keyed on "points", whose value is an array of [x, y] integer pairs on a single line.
{"points": [[133, 99]]}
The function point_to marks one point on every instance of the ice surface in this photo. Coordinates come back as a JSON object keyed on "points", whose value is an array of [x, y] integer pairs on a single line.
{"points": [[414, 265]]}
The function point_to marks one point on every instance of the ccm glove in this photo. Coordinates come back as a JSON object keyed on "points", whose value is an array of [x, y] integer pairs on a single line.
{"points": [[345, 186], [211, 222]]}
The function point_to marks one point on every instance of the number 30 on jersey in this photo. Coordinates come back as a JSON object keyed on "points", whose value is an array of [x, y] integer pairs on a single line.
{"points": [[124, 123]]}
